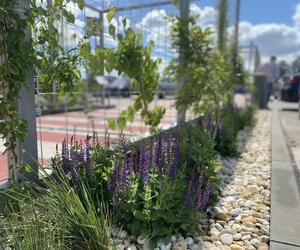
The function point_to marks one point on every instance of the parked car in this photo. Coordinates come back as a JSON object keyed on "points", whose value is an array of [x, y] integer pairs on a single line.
{"points": [[165, 87], [119, 87], [290, 87]]}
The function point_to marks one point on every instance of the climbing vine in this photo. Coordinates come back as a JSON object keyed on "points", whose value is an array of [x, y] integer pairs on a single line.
{"points": [[206, 84], [133, 59], [20, 55]]}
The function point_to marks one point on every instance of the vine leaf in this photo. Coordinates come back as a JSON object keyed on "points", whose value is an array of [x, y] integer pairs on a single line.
{"points": [[111, 14]]}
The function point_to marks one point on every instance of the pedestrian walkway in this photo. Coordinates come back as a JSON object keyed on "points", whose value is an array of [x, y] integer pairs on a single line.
{"points": [[53, 129], [285, 202]]}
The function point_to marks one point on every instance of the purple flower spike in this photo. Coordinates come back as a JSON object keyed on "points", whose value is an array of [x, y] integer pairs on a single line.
{"points": [[187, 197], [65, 156], [159, 152], [143, 166], [198, 192], [206, 194], [74, 156], [116, 202], [175, 163], [208, 123], [124, 173], [87, 160], [113, 181], [200, 122]]}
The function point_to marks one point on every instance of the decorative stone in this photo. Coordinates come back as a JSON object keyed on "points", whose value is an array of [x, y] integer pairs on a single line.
{"points": [[141, 240], [173, 238], [189, 241], [123, 234], [120, 247], [220, 213], [246, 237], [166, 246], [263, 246], [214, 231], [132, 247], [126, 243], [219, 227], [255, 242], [180, 245], [236, 247], [237, 236], [226, 239]]}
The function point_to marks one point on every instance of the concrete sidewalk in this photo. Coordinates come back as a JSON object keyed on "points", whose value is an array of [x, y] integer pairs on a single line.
{"points": [[285, 197]]}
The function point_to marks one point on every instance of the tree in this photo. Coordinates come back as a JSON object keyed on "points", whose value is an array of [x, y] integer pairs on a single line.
{"points": [[222, 24], [284, 67], [296, 65]]}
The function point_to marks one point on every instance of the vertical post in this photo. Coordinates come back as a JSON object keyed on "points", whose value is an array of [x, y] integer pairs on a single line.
{"points": [[251, 56], [184, 8], [236, 32], [27, 150], [101, 23]]}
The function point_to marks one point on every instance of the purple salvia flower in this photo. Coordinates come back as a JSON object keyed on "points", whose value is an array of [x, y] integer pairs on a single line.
{"points": [[187, 197], [198, 192], [206, 194], [81, 153], [64, 156], [168, 151], [175, 163], [159, 152], [116, 202], [87, 160], [122, 143], [74, 157], [113, 181], [208, 123], [143, 166], [151, 152], [200, 122], [124, 173]]}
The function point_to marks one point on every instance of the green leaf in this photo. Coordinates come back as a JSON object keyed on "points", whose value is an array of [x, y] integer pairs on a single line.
{"points": [[112, 30], [80, 4], [112, 123], [122, 122], [69, 16], [111, 14]]}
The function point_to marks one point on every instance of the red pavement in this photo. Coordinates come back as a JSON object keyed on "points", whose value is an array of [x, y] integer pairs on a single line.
{"points": [[53, 127]]}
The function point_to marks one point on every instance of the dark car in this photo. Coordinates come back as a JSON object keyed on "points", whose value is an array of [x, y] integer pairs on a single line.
{"points": [[119, 87], [165, 87], [290, 88]]}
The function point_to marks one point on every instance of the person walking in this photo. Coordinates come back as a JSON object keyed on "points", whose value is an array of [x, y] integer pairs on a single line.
{"points": [[271, 69]]}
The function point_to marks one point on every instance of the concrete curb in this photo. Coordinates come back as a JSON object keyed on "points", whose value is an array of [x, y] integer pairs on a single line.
{"points": [[285, 197]]}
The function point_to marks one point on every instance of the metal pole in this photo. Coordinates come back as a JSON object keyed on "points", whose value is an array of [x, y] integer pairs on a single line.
{"points": [[184, 8], [251, 56], [236, 32], [27, 150]]}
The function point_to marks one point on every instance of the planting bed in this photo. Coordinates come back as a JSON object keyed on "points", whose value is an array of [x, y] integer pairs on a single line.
{"points": [[241, 218]]}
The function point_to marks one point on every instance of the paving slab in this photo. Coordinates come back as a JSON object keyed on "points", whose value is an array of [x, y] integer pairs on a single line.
{"points": [[280, 246], [285, 197]]}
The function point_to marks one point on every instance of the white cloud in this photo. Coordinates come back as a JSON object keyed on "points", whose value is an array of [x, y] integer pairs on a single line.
{"points": [[272, 38], [296, 16], [205, 16]]}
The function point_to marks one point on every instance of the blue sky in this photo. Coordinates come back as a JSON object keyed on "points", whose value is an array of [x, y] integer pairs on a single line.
{"points": [[272, 25], [268, 11]]}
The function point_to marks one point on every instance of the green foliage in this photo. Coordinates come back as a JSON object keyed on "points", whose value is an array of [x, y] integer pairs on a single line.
{"points": [[232, 121], [21, 55], [206, 79], [55, 216], [133, 59]]}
